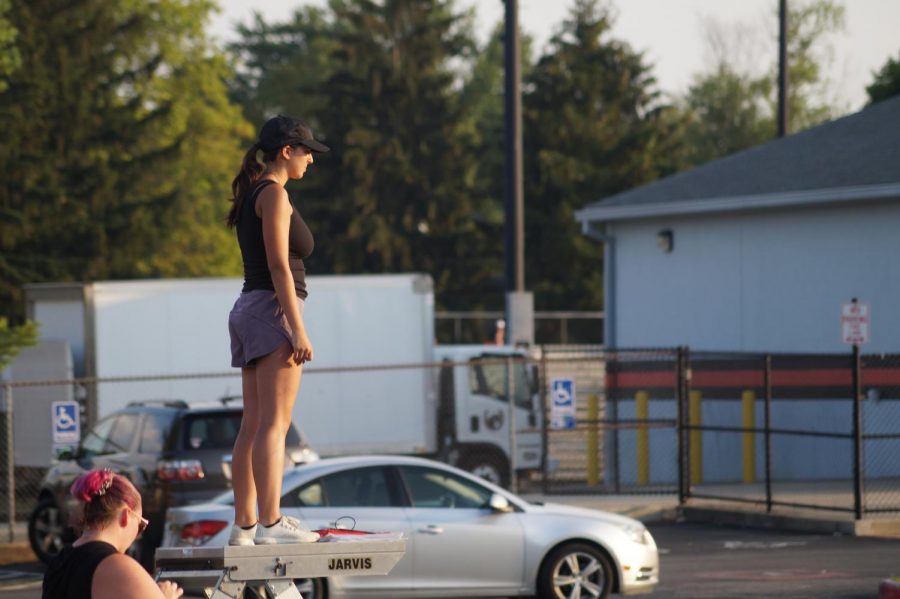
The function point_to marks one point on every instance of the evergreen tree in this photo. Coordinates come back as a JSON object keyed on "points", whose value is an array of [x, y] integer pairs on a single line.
{"points": [[415, 120], [887, 81], [398, 193], [283, 66], [594, 126], [483, 97]]}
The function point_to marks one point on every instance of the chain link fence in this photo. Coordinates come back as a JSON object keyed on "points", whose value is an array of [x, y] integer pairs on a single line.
{"points": [[478, 408], [783, 430], [769, 430], [621, 437], [880, 386]]}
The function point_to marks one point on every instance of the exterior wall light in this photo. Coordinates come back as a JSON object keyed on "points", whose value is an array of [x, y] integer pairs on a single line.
{"points": [[665, 240]]}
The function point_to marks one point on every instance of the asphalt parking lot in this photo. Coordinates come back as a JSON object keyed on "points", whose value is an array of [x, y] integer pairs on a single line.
{"points": [[703, 561]]}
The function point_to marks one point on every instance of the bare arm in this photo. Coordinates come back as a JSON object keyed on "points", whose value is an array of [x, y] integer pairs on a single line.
{"points": [[275, 209], [120, 577]]}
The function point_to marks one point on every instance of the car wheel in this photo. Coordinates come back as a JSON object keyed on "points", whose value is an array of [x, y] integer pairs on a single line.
{"points": [[46, 531], [575, 570]]}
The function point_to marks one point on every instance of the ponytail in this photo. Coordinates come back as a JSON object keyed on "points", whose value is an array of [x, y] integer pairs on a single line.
{"points": [[251, 170]]}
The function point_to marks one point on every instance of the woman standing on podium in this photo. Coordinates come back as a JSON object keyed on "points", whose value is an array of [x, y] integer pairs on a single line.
{"points": [[268, 339]]}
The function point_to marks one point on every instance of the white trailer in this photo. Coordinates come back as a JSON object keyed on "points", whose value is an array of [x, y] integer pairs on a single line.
{"points": [[161, 328]]}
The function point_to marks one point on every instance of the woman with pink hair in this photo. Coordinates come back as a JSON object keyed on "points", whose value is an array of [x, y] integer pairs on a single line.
{"points": [[95, 566]]}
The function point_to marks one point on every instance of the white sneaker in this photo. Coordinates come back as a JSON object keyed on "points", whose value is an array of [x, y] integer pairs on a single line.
{"points": [[288, 530], [241, 536]]}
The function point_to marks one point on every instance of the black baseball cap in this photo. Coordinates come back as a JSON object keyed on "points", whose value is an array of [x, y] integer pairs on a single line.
{"points": [[283, 131]]}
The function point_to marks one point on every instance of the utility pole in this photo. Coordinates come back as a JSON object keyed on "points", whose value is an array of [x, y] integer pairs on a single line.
{"points": [[519, 303], [782, 68]]}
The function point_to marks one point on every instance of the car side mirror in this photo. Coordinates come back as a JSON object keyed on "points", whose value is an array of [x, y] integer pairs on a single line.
{"points": [[499, 503]]}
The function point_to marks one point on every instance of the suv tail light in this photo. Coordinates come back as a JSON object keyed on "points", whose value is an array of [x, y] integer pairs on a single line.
{"points": [[198, 533], [180, 470]]}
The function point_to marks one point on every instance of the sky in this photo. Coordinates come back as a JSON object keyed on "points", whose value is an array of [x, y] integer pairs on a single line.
{"points": [[671, 34]]}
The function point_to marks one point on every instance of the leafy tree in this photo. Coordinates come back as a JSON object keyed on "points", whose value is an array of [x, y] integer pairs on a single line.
{"points": [[810, 28], [14, 339], [726, 113], [594, 126], [730, 108], [887, 81], [120, 145]]}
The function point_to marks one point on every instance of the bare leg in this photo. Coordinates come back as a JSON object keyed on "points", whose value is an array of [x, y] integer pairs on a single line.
{"points": [[277, 382], [241, 463]]}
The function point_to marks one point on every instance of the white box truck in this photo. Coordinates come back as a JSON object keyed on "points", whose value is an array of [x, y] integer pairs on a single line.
{"points": [[157, 328]]}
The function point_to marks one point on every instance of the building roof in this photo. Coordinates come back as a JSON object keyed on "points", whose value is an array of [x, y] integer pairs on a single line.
{"points": [[853, 158]]}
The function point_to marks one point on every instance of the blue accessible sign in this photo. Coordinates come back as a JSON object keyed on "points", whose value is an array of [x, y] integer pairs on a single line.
{"points": [[562, 404], [66, 423]]}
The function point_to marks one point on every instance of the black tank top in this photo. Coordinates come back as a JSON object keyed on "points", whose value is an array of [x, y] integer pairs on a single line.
{"points": [[253, 249], [70, 574]]}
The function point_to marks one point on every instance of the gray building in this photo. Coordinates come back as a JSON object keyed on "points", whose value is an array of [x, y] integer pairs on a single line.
{"points": [[758, 250]]}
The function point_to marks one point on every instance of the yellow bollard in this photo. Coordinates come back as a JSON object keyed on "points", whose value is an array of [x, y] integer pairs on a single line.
{"points": [[748, 399], [642, 412], [593, 441], [696, 442]]}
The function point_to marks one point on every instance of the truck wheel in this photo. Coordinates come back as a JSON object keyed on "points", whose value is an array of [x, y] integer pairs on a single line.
{"points": [[490, 468], [46, 531], [575, 570]]}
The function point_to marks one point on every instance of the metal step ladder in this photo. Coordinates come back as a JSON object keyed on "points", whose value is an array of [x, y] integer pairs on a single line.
{"points": [[224, 572]]}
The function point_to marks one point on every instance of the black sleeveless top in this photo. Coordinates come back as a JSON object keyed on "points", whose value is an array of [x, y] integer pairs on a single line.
{"points": [[253, 250], [70, 574]]}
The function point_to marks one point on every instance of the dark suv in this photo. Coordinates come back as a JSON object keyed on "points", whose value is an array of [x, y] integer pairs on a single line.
{"points": [[173, 452]]}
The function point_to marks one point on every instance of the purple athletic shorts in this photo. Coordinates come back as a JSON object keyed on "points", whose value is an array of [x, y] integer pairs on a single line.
{"points": [[257, 325]]}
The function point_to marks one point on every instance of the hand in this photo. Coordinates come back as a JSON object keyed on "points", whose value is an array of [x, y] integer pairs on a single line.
{"points": [[170, 590], [303, 350]]}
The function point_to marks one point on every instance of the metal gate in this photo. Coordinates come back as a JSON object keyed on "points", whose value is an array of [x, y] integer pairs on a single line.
{"points": [[623, 438]]}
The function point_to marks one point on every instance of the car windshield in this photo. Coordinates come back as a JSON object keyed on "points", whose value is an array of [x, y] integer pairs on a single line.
{"points": [[218, 430], [213, 430], [488, 376]]}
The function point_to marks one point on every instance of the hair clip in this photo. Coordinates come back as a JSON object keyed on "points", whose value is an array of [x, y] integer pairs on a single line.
{"points": [[104, 487]]}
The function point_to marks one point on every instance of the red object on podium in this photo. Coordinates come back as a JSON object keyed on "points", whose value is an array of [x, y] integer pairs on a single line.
{"points": [[340, 531]]}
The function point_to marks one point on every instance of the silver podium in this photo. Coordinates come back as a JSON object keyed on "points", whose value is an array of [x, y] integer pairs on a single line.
{"points": [[224, 572]]}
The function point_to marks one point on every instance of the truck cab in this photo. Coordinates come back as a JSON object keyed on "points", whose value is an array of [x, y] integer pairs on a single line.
{"points": [[481, 391]]}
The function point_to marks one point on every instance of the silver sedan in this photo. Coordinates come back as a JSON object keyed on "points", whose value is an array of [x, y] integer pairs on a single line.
{"points": [[466, 536]]}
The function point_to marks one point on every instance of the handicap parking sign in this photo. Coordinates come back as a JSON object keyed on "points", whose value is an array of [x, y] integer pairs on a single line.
{"points": [[66, 422], [562, 404]]}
